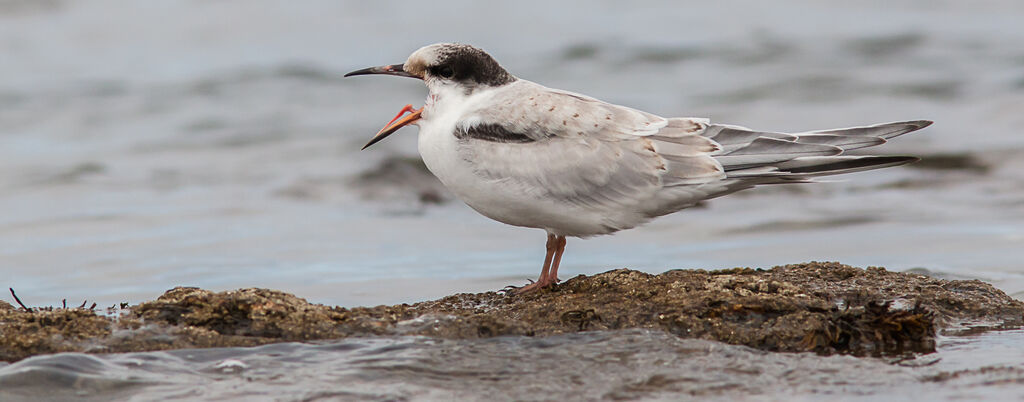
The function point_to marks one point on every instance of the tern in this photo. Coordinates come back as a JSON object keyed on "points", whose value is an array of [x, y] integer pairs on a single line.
{"points": [[537, 157]]}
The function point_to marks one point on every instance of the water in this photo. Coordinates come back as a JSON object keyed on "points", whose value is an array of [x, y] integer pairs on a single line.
{"points": [[215, 144], [634, 364], [145, 146]]}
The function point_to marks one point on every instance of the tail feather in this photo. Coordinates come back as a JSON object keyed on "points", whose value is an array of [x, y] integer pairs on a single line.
{"points": [[765, 151], [783, 157], [885, 130], [752, 158], [844, 142], [814, 166]]}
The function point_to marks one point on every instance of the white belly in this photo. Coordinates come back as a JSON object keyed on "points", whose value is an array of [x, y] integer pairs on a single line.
{"points": [[496, 199]]}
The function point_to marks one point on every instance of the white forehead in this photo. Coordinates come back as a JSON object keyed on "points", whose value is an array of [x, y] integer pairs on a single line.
{"points": [[428, 55]]}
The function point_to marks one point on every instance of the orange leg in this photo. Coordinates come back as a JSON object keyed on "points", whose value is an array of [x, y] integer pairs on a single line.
{"points": [[560, 248], [549, 274]]}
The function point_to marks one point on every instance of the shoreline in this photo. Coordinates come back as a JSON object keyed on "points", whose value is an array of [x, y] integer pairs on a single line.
{"points": [[826, 308]]}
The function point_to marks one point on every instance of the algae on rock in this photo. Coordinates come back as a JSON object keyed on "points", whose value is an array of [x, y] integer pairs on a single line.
{"points": [[821, 307]]}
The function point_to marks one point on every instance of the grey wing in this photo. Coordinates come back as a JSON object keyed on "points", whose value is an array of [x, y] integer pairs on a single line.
{"points": [[634, 165], [592, 155]]}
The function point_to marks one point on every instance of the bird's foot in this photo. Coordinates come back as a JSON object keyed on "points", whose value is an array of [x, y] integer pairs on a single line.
{"points": [[540, 284]]}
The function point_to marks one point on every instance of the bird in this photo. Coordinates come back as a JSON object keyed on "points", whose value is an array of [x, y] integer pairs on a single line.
{"points": [[531, 156]]}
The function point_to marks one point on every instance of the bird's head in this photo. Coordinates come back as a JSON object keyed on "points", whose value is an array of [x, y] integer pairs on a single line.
{"points": [[444, 68]]}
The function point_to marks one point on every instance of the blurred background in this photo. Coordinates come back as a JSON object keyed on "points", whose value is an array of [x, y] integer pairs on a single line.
{"points": [[147, 145]]}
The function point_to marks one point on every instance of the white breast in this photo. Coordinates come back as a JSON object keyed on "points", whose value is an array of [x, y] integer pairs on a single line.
{"points": [[444, 108], [439, 149]]}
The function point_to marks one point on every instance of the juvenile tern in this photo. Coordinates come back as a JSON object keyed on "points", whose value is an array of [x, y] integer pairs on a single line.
{"points": [[527, 155]]}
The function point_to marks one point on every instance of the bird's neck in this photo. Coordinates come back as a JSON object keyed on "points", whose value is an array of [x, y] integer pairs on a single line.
{"points": [[446, 101]]}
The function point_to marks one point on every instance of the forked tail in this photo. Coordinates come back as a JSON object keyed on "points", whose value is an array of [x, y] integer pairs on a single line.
{"points": [[767, 157]]}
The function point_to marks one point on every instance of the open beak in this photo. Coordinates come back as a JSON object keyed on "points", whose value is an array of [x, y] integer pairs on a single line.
{"points": [[399, 121], [396, 123]]}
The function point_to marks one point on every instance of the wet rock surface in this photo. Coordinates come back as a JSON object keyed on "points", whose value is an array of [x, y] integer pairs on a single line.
{"points": [[827, 308]]}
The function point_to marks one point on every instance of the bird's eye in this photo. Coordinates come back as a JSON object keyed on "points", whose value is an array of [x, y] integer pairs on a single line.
{"points": [[444, 72]]}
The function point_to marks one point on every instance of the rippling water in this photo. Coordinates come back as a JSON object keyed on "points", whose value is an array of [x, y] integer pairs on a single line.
{"points": [[635, 364], [215, 144]]}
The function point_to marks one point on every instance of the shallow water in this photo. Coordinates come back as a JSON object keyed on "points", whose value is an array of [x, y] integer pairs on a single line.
{"points": [[215, 144], [634, 364]]}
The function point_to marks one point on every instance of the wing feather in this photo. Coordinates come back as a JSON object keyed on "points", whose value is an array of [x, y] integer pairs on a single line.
{"points": [[592, 154], [630, 166]]}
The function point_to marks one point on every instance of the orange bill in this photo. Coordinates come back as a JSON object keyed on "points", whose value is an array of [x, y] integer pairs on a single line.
{"points": [[396, 123]]}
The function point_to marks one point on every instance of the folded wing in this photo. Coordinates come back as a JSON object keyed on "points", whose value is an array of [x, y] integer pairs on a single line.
{"points": [[635, 165]]}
